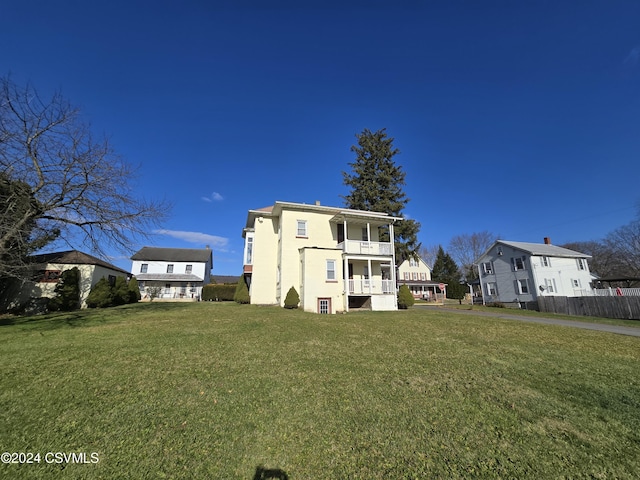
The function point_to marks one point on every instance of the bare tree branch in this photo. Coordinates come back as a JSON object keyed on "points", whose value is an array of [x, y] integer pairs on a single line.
{"points": [[82, 188]]}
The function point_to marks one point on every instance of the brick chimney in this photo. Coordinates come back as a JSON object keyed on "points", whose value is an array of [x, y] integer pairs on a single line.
{"points": [[547, 241]]}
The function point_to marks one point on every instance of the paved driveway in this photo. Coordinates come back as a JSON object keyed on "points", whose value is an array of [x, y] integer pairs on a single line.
{"points": [[620, 330]]}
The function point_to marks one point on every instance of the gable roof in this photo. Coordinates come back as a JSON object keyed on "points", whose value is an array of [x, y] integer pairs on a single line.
{"points": [[542, 249], [201, 255], [72, 257]]}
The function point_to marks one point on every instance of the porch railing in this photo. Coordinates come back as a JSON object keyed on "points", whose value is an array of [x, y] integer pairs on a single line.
{"points": [[361, 247], [370, 287]]}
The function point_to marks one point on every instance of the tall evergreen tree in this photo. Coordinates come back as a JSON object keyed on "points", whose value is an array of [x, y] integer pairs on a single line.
{"points": [[376, 185], [446, 270]]}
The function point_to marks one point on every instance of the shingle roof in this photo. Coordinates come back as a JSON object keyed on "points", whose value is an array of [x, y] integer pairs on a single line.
{"points": [[544, 249], [72, 257], [173, 254]]}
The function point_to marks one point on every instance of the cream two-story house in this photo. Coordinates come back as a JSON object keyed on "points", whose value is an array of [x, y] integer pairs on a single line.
{"points": [[176, 273], [517, 272], [332, 256], [416, 274]]}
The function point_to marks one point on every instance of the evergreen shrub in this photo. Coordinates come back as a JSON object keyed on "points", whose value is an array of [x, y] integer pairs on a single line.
{"points": [[405, 297], [292, 299], [241, 294], [120, 291], [67, 292], [101, 295], [134, 290]]}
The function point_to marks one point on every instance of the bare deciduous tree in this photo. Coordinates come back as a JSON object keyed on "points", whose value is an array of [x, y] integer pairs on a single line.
{"points": [[467, 248], [81, 189]]}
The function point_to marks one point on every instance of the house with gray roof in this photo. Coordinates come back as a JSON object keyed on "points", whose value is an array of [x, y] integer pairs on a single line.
{"points": [[518, 272], [173, 273]]}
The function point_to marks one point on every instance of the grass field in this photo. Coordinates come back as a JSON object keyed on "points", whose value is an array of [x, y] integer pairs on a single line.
{"points": [[216, 390]]}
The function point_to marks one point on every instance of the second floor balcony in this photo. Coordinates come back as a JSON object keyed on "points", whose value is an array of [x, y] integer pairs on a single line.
{"points": [[362, 247]]}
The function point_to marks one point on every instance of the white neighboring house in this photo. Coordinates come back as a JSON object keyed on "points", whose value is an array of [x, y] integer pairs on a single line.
{"points": [[177, 273], [416, 274], [48, 268], [521, 272]]}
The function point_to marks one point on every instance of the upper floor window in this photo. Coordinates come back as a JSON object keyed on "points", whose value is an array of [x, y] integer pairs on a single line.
{"points": [[517, 263], [188, 269], [581, 264], [144, 267], [302, 228], [406, 275], [249, 251], [413, 262], [170, 268], [423, 276], [487, 268], [546, 261]]}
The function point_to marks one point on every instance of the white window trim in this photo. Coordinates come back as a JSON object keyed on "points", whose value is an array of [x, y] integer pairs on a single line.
{"points": [[304, 230], [331, 269], [526, 285]]}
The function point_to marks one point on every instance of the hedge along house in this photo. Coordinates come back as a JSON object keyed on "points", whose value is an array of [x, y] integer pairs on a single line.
{"points": [[176, 274], [517, 272], [48, 268], [332, 256]]}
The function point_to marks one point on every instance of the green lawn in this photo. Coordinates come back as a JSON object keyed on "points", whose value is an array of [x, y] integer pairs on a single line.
{"points": [[215, 390]]}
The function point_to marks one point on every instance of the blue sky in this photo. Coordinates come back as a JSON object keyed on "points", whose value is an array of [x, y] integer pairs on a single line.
{"points": [[521, 118]]}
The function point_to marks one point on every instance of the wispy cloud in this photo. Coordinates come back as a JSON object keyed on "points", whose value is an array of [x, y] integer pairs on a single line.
{"points": [[633, 58], [219, 243], [214, 197]]}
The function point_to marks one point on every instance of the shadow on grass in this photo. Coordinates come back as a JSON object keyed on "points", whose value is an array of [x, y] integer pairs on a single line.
{"points": [[270, 474], [85, 317]]}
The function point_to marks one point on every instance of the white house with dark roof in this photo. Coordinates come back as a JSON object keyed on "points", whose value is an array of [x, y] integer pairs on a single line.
{"points": [[47, 270], [521, 272], [178, 273]]}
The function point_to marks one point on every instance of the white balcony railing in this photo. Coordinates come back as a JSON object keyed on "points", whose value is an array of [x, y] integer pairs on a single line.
{"points": [[370, 287], [361, 247]]}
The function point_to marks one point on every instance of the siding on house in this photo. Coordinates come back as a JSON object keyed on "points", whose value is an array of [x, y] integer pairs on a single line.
{"points": [[522, 271], [289, 244]]}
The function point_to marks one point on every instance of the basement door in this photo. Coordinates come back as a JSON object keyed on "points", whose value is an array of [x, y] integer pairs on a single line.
{"points": [[324, 305]]}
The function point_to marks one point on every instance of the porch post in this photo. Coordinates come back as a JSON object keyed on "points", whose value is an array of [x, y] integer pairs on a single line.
{"points": [[345, 279], [394, 280]]}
